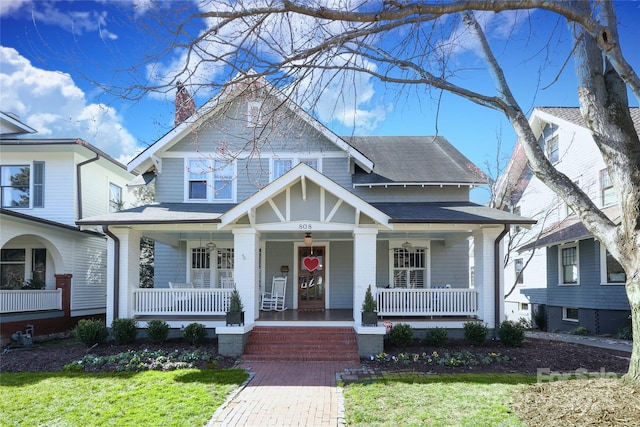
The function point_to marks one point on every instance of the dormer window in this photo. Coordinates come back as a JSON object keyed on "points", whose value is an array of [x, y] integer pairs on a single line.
{"points": [[282, 166]]}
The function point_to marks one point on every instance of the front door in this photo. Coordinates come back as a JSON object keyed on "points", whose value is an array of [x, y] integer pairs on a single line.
{"points": [[311, 283]]}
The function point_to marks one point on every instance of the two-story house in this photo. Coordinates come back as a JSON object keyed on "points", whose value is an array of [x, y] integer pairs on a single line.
{"points": [[251, 188], [569, 274], [52, 273]]}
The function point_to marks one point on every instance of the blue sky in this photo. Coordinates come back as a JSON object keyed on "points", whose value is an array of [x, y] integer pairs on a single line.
{"points": [[52, 52]]}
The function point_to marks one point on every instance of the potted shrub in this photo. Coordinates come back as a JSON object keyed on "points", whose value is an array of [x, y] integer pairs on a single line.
{"points": [[235, 315], [369, 313]]}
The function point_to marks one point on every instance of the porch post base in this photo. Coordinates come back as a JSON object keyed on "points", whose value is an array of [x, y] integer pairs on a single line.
{"points": [[370, 340], [232, 339]]}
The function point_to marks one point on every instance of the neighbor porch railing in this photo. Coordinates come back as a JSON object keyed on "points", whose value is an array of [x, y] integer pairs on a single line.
{"points": [[180, 301], [427, 302], [16, 301]]}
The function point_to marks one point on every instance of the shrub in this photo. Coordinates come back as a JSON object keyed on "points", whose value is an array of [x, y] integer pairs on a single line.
{"points": [[90, 332], [235, 303], [476, 333], [625, 333], [437, 337], [540, 317], [369, 304], [194, 333], [401, 335], [580, 330], [124, 330], [511, 334], [157, 331]]}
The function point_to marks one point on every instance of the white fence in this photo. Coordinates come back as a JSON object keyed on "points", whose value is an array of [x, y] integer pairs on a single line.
{"points": [[180, 301], [15, 301], [427, 302]]}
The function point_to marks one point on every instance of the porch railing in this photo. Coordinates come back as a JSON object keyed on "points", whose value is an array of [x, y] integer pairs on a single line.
{"points": [[16, 301], [180, 301], [427, 302]]}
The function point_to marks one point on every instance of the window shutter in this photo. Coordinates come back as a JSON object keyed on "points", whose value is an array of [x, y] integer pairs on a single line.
{"points": [[38, 184]]}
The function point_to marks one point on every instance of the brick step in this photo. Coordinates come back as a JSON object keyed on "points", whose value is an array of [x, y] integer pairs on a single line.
{"points": [[301, 344]]}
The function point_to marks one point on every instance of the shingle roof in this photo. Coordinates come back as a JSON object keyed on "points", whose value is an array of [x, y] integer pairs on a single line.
{"points": [[448, 213], [573, 115], [163, 213], [414, 159]]}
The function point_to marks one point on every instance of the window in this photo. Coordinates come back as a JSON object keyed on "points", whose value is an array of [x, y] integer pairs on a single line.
{"points": [[409, 268], [607, 193], [201, 267], [254, 113], [523, 306], [569, 265], [516, 210], [15, 186], [204, 174], [518, 264], [570, 314], [12, 268], [115, 198], [611, 268], [552, 149], [282, 166]]}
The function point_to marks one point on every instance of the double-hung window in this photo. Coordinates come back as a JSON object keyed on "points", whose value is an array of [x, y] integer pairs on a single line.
{"points": [[210, 180], [115, 198], [611, 269], [607, 193], [569, 265], [22, 186], [552, 149], [518, 264]]}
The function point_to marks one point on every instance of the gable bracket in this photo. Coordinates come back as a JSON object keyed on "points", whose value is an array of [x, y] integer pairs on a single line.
{"points": [[276, 210], [157, 162]]}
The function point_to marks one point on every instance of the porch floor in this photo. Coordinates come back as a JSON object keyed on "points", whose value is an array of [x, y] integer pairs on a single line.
{"points": [[306, 316]]}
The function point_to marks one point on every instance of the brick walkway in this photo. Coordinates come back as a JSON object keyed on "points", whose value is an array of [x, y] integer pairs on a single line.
{"points": [[286, 394]]}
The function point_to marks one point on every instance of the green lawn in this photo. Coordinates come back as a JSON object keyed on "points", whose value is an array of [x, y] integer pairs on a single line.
{"points": [[434, 400], [151, 398]]}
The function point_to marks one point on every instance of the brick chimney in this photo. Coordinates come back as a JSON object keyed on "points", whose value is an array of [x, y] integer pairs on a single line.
{"points": [[185, 107]]}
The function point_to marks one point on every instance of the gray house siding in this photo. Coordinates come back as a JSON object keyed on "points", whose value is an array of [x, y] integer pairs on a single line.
{"points": [[602, 309], [412, 194], [341, 275], [170, 264], [170, 183], [278, 254], [450, 264]]}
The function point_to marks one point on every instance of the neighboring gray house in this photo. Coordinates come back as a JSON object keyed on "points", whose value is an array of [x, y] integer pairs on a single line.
{"points": [[570, 275], [52, 273], [251, 187]]}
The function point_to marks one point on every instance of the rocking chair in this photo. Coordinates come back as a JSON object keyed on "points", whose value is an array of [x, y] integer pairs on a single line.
{"points": [[274, 300]]}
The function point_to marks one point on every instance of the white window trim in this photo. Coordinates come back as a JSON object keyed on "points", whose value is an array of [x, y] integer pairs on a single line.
{"points": [[603, 269], [567, 319], [295, 160], [424, 244], [30, 166], [209, 181], [560, 270]]}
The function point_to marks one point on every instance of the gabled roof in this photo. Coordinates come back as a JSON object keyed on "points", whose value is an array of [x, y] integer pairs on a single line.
{"points": [[144, 161], [448, 213], [414, 160], [303, 172], [11, 125]]}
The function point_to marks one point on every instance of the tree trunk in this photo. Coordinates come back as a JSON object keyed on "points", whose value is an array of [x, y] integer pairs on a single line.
{"points": [[633, 293]]}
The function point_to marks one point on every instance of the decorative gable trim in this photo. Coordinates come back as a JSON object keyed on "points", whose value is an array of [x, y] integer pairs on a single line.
{"points": [[303, 174]]}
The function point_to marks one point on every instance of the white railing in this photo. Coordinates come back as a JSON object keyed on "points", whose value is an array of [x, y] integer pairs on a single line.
{"points": [[180, 301], [427, 302], [15, 301]]}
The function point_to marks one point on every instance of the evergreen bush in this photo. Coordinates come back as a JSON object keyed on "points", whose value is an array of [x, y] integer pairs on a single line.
{"points": [[157, 331], [124, 330], [90, 332], [511, 333], [401, 335], [194, 333], [475, 332], [437, 337]]}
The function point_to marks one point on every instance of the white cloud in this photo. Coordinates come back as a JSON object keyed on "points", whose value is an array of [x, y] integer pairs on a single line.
{"points": [[9, 6], [51, 103]]}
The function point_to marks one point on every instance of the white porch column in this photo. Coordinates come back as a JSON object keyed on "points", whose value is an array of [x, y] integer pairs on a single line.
{"points": [[484, 277], [246, 243], [129, 277], [364, 266]]}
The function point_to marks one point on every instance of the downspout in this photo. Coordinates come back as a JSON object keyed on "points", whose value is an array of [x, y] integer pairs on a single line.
{"points": [[116, 269], [79, 179], [497, 266]]}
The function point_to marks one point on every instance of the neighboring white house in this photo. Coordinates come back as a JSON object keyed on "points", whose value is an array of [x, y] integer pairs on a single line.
{"points": [[251, 187], [46, 186], [568, 272]]}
